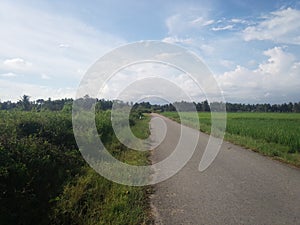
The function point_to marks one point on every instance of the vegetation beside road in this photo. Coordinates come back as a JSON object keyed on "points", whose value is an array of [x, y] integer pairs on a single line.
{"points": [[272, 134], [44, 179]]}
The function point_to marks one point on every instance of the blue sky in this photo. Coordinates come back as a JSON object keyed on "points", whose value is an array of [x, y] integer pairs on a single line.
{"points": [[252, 47]]}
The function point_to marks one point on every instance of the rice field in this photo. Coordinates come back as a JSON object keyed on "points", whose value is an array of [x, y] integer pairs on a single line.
{"points": [[272, 134]]}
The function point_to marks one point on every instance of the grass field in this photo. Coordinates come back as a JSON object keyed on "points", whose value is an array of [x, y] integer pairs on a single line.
{"points": [[272, 134]]}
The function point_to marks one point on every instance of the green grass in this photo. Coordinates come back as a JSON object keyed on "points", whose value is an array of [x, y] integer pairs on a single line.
{"points": [[141, 127], [141, 130], [272, 134], [40, 165], [106, 202], [92, 200]]}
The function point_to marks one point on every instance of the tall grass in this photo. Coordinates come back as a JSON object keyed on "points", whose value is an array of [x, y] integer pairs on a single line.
{"points": [[44, 179], [94, 200]]}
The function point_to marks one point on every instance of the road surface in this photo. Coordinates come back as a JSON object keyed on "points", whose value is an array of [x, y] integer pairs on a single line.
{"points": [[240, 186]]}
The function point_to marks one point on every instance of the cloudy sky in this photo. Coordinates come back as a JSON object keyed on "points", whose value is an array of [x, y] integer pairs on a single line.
{"points": [[252, 47]]}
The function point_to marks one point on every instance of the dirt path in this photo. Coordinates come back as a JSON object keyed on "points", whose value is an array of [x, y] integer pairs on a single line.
{"points": [[240, 187]]}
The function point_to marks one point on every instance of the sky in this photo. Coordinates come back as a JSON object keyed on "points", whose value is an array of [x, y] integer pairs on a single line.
{"points": [[251, 47]]}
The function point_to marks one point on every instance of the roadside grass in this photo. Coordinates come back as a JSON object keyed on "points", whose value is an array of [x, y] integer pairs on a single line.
{"points": [[272, 134], [93, 200], [45, 180], [141, 130], [141, 127]]}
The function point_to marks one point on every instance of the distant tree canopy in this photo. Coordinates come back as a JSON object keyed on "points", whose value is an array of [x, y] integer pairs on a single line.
{"points": [[24, 104]]}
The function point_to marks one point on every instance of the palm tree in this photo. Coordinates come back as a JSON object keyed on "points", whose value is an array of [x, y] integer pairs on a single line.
{"points": [[25, 103]]}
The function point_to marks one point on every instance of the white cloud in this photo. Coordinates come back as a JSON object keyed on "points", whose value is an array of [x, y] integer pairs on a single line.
{"points": [[39, 36], [187, 21], [36, 43], [9, 74], [277, 79], [13, 90], [227, 63], [279, 62], [200, 22], [174, 24], [228, 27], [235, 20], [139, 80], [62, 45], [45, 76], [175, 39], [192, 44], [280, 26], [252, 63], [17, 64], [240, 78], [207, 49]]}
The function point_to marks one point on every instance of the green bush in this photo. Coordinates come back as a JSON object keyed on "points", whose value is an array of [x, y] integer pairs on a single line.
{"points": [[44, 179]]}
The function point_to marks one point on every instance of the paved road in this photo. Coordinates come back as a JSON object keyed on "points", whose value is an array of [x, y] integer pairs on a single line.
{"points": [[240, 187]]}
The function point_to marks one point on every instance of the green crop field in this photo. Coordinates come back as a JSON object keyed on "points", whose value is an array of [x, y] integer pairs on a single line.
{"points": [[272, 134]]}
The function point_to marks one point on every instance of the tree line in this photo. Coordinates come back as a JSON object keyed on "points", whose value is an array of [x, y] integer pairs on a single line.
{"points": [[204, 106], [25, 104]]}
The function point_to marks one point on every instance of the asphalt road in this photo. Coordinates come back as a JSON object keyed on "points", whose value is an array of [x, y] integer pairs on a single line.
{"points": [[240, 186]]}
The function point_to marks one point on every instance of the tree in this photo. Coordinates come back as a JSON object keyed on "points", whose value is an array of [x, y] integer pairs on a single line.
{"points": [[205, 106], [25, 103]]}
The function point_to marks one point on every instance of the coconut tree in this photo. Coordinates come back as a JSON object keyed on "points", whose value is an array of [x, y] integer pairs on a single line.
{"points": [[25, 102]]}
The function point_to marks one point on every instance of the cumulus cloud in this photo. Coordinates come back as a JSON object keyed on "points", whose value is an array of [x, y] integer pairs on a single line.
{"points": [[140, 80], [281, 26], [276, 79], [279, 62]]}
